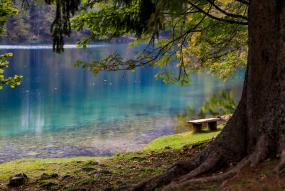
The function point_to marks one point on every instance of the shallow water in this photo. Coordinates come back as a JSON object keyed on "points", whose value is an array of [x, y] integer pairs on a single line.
{"points": [[64, 111]]}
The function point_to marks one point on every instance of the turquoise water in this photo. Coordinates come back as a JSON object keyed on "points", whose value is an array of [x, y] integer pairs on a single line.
{"points": [[64, 111]]}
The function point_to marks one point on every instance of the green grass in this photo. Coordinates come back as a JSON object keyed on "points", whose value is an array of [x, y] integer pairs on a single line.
{"points": [[177, 141], [123, 170], [117, 172], [34, 167], [139, 165]]}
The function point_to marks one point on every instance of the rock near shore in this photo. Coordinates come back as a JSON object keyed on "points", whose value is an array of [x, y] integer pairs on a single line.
{"points": [[18, 180]]}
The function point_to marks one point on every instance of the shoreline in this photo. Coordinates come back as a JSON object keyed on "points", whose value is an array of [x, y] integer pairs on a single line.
{"points": [[124, 170], [86, 141], [176, 141], [60, 173]]}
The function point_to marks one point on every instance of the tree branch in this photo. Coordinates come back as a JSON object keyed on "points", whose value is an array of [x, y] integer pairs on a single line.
{"points": [[212, 2], [243, 2], [217, 18]]}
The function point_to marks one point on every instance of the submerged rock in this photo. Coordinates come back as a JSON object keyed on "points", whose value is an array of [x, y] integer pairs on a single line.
{"points": [[18, 180]]}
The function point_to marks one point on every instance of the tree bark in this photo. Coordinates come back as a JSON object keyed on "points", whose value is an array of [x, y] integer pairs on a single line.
{"points": [[257, 129], [266, 73]]}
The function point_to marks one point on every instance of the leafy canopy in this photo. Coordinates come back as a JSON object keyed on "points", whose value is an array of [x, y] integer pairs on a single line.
{"points": [[181, 36]]}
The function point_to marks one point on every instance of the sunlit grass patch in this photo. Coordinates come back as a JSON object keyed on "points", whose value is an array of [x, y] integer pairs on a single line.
{"points": [[35, 167], [117, 172], [177, 141]]}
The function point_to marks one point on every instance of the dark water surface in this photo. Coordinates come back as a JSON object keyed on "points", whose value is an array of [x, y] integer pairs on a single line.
{"points": [[64, 111]]}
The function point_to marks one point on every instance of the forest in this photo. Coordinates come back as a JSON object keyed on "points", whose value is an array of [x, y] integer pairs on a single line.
{"points": [[31, 25]]}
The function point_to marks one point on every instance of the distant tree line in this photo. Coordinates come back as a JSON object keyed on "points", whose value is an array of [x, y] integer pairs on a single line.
{"points": [[32, 24]]}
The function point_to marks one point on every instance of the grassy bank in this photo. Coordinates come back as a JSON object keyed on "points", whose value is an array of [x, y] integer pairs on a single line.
{"points": [[177, 141], [123, 170], [114, 171]]}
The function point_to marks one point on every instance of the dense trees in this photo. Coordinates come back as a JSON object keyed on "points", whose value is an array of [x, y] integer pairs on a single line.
{"points": [[19, 27], [32, 24]]}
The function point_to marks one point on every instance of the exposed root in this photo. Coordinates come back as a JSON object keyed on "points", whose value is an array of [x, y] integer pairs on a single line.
{"points": [[261, 151], [176, 178], [215, 178], [177, 170], [206, 166], [260, 154], [281, 164]]}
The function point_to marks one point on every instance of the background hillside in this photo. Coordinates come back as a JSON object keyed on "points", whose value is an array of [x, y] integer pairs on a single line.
{"points": [[32, 25]]}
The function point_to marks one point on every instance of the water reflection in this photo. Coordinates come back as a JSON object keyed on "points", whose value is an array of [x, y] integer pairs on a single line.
{"points": [[66, 111]]}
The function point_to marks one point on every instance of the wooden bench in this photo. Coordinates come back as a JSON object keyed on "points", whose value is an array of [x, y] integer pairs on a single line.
{"points": [[211, 122]]}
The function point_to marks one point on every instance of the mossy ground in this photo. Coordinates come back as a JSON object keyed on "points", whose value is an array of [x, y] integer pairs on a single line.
{"points": [[123, 170]]}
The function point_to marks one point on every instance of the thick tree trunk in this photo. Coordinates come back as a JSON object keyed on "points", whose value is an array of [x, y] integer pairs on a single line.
{"points": [[266, 74], [257, 129]]}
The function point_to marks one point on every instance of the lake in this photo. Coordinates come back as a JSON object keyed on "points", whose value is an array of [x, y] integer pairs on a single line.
{"points": [[63, 111]]}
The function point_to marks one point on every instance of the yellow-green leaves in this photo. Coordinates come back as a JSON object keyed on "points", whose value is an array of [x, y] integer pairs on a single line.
{"points": [[183, 36], [7, 9], [8, 81]]}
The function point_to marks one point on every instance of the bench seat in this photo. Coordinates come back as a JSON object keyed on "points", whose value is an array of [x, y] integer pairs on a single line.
{"points": [[212, 124]]}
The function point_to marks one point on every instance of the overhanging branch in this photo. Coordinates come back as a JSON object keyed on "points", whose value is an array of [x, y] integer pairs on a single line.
{"points": [[212, 2], [231, 21]]}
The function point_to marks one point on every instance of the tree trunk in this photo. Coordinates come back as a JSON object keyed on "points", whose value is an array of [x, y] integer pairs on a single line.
{"points": [[265, 110], [257, 129]]}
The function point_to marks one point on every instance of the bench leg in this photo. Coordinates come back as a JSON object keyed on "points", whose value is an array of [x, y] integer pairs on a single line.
{"points": [[213, 126], [197, 128]]}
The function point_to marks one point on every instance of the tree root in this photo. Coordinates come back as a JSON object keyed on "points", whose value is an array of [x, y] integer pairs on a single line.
{"points": [[215, 178], [176, 178], [177, 170], [206, 166], [253, 159], [261, 151], [277, 170]]}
